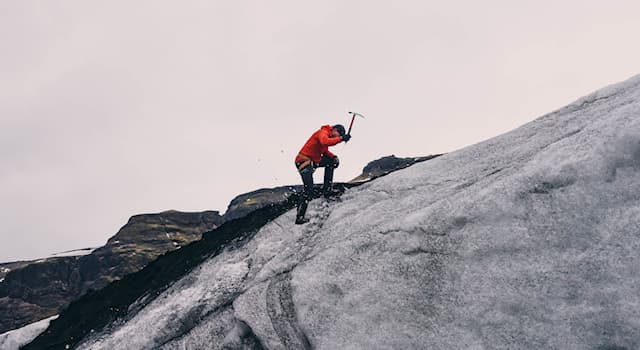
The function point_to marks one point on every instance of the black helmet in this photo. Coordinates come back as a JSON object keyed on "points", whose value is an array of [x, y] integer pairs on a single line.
{"points": [[340, 129]]}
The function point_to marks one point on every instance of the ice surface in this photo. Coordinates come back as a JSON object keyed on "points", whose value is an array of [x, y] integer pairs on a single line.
{"points": [[527, 240], [16, 338], [201, 295]]}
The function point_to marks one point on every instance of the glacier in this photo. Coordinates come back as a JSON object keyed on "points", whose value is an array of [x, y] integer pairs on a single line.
{"points": [[526, 240]]}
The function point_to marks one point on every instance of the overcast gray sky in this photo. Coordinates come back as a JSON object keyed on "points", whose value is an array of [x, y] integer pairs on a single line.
{"points": [[115, 108]]}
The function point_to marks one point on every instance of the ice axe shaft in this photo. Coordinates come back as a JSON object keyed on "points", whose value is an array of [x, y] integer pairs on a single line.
{"points": [[353, 118]]}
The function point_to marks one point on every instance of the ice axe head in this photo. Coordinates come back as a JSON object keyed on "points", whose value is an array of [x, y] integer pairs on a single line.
{"points": [[354, 114]]}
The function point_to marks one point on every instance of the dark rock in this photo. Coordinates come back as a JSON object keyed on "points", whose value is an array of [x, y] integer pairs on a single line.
{"points": [[16, 312], [388, 164], [5, 268], [34, 290], [248, 202]]}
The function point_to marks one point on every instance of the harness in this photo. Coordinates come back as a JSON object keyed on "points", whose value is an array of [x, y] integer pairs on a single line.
{"points": [[307, 161]]}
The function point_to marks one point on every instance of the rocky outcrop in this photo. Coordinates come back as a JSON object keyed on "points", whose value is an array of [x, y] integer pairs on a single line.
{"points": [[34, 290], [388, 164], [248, 202], [143, 239]]}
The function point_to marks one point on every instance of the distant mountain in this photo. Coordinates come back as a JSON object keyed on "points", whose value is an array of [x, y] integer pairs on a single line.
{"points": [[34, 290], [528, 240]]}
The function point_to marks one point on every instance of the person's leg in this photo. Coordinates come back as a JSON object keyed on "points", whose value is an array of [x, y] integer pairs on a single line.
{"points": [[329, 164], [302, 210], [305, 197]]}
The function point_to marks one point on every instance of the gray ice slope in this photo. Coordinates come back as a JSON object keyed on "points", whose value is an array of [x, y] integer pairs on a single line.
{"points": [[529, 240]]}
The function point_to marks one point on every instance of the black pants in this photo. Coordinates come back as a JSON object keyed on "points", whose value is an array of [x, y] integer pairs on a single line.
{"points": [[307, 180]]}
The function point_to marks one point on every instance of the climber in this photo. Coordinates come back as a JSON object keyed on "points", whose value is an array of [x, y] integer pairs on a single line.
{"points": [[314, 154]]}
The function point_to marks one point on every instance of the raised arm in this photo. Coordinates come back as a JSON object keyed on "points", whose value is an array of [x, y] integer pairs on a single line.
{"points": [[327, 140]]}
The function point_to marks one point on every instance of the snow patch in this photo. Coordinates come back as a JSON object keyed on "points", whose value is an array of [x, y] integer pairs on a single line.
{"points": [[16, 338], [76, 252], [185, 303]]}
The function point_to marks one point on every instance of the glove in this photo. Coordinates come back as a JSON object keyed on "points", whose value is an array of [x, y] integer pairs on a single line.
{"points": [[336, 162], [346, 137]]}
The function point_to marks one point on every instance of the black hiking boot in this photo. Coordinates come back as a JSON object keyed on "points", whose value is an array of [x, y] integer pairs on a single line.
{"points": [[301, 221], [331, 194], [302, 210]]}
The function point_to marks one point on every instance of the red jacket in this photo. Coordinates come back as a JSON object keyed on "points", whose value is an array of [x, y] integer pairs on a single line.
{"points": [[318, 144]]}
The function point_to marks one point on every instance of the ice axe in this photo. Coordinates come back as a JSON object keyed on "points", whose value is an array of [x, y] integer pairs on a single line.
{"points": [[353, 118]]}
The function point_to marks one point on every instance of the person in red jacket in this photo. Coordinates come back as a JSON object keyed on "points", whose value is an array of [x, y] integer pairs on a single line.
{"points": [[315, 154]]}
